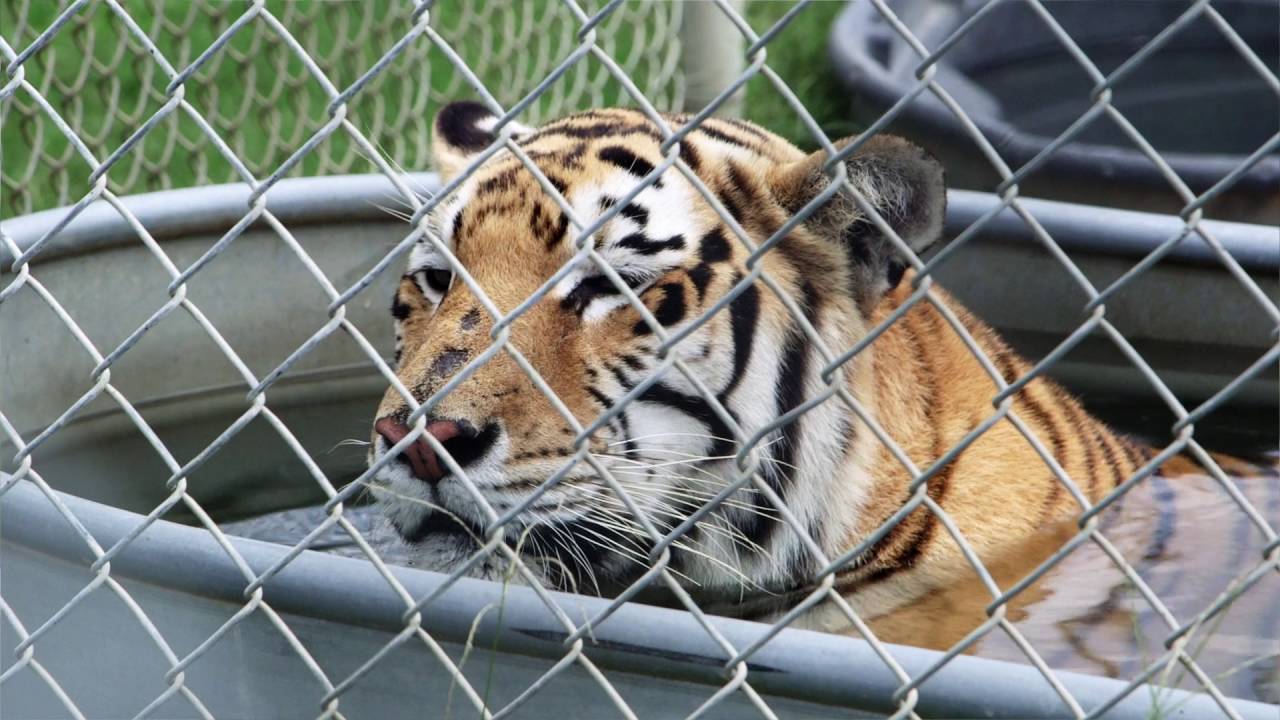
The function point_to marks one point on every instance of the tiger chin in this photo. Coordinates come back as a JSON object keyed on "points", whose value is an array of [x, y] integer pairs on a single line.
{"points": [[763, 354]]}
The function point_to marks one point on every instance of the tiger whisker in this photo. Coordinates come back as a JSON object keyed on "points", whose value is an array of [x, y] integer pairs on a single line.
{"points": [[393, 212], [636, 468], [570, 544], [690, 457], [438, 508], [714, 521], [670, 434], [550, 559], [639, 468], [419, 191], [671, 451], [711, 524], [642, 560], [629, 531], [566, 540], [701, 497]]}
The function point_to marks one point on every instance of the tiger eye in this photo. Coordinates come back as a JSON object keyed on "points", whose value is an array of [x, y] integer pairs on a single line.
{"points": [[438, 280]]}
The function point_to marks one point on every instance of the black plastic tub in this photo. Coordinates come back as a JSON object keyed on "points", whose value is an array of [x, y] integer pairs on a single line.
{"points": [[1196, 99]]}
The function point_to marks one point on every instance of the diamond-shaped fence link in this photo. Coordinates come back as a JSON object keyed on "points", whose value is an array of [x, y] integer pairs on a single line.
{"points": [[253, 90], [108, 106]]}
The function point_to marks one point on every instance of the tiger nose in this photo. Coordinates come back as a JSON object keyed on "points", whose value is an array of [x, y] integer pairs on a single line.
{"points": [[463, 442]]}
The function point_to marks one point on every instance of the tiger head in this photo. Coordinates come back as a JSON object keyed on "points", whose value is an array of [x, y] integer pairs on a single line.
{"points": [[598, 389]]}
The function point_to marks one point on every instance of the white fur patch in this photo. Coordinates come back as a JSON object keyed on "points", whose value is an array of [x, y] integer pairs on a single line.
{"points": [[489, 123], [670, 214]]}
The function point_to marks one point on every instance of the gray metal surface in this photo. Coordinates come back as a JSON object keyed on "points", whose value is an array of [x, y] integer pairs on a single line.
{"points": [[199, 320], [342, 609], [1172, 313]]}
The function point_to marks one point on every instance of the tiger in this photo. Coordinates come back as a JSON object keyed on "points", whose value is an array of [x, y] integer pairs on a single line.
{"points": [[557, 342]]}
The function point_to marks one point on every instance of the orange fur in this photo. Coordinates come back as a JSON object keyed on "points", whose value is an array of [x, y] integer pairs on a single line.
{"points": [[919, 380]]}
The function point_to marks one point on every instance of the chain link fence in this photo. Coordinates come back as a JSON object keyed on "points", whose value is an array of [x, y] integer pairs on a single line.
{"points": [[256, 92], [357, 76]]}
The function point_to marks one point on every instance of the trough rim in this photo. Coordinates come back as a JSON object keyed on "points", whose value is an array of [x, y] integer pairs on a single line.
{"points": [[796, 663], [641, 639], [349, 199]]}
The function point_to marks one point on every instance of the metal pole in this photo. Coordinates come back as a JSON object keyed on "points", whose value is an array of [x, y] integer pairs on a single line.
{"points": [[711, 55]]}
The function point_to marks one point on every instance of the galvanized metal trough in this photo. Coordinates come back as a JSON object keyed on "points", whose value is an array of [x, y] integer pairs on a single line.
{"points": [[660, 660]]}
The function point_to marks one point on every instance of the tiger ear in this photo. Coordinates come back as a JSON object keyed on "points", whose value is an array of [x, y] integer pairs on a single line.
{"points": [[461, 131], [906, 186]]}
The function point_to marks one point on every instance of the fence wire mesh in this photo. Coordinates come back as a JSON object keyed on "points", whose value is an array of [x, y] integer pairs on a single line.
{"points": [[92, 140], [255, 91]]}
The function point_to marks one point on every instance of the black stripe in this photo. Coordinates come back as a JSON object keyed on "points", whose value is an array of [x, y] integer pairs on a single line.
{"points": [[1057, 445], [789, 393], [1109, 456], [557, 182], [643, 245], [743, 126], [713, 247], [586, 291], [1008, 370], [671, 309], [624, 422], [619, 376], [457, 225], [744, 313], [908, 552], [744, 183], [748, 194], [596, 286], [551, 233], [1131, 454], [1077, 420], [629, 161], [502, 181], [399, 310], [723, 137], [481, 212], [570, 159], [1040, 416], [599, 114], [600, 397], [636, 213], [732, 206], [700, 275], [594, 131], [695, 407], [542, 226], [690, 155]]}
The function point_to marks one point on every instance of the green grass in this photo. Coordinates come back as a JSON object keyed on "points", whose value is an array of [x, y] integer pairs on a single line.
{"points": [[799, 56], [260, 99]]}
